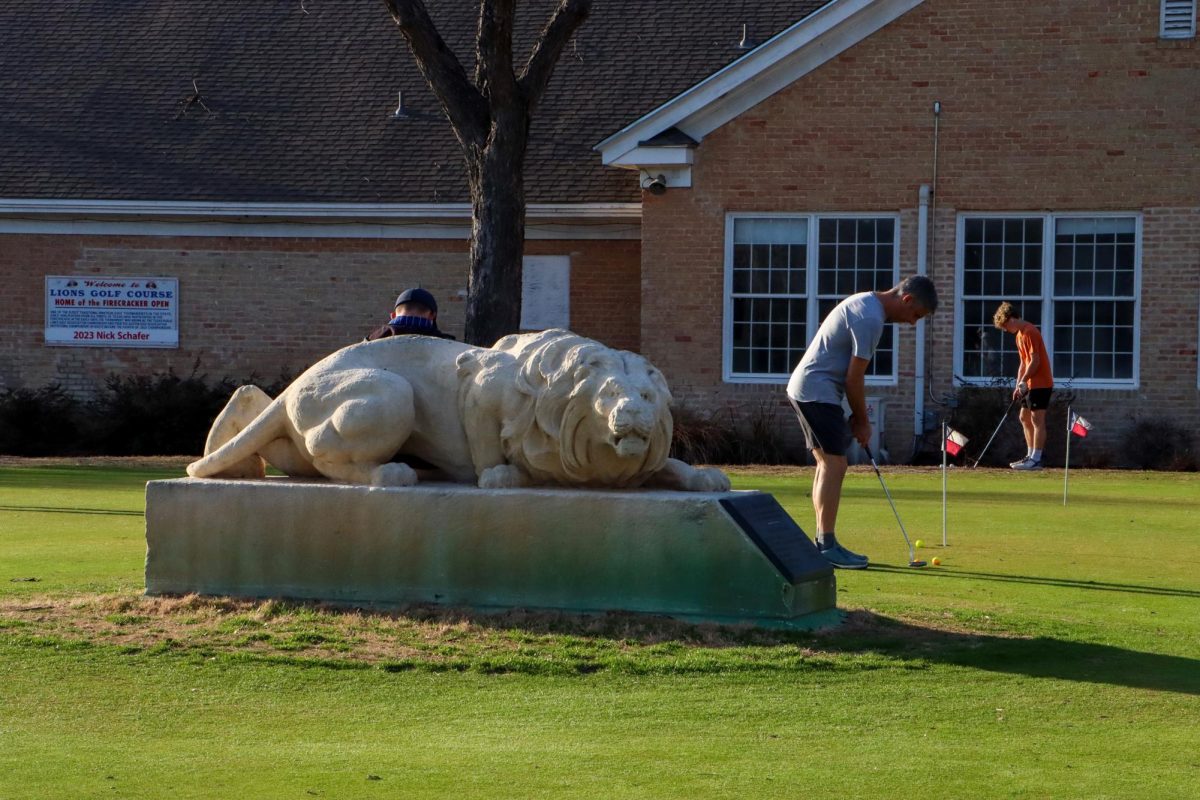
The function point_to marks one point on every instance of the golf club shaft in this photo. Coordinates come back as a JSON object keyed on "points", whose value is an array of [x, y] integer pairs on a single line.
{"points": [[912, 556], [1000, 424]]}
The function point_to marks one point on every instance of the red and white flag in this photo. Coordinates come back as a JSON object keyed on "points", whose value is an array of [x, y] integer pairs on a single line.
{"points": [[1079, 425], [955, 442]]}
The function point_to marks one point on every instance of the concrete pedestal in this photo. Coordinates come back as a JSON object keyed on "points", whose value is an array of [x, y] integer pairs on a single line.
{"points": [[731, 557]]}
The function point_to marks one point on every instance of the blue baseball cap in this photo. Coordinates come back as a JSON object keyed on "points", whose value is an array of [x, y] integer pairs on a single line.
{"points": [[419, 296]]}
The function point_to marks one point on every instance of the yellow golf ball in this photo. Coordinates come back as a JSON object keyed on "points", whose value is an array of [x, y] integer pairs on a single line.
{"points": [[937, 562], [918, 543]]}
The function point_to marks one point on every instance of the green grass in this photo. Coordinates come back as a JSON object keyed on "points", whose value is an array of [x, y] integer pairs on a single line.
{"points": [[1055, 653]]}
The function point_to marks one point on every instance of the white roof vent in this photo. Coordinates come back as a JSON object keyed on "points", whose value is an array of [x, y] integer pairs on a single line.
{"points": [[1178, 19]]}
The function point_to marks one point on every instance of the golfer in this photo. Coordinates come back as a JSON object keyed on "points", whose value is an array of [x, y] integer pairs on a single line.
{"points": [[1035, 383], [835, 366]]}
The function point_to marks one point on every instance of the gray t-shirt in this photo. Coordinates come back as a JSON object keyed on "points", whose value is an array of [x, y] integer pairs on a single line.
{"points": [[852, 328]]}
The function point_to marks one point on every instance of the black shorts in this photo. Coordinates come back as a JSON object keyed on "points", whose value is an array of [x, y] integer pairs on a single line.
{"points": [[1038, 399], [825, 427]]}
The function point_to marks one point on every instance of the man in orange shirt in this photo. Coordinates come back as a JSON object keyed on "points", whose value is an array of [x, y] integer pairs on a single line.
{"points": [[1035, 383]]}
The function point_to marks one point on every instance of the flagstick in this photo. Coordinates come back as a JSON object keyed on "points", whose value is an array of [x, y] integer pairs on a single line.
{"points": [[1067, 461], [944, 434]]}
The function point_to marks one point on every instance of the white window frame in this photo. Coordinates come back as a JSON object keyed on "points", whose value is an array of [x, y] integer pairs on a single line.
{"points": [[813, 307], [1047, 295], [1170, 11]]}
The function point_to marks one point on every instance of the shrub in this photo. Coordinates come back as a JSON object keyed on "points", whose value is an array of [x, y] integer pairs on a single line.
{"points": [[1159, 443], [724, 436], [160, 414], [702, 437], [39, 422], [759, 441], [977, 410]]}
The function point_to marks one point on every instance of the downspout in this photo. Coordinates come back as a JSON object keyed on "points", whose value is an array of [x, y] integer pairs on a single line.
{"points": [[919, 369], [926, 230]]}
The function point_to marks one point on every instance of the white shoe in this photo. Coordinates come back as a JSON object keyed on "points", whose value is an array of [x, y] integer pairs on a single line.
{"points": [[1013, 464], [1028, 464]]}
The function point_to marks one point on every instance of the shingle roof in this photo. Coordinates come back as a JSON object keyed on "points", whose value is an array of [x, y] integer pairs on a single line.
{"points": [[295, 97]]}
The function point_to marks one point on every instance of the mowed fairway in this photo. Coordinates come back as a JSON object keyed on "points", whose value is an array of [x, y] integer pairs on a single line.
{"points": [[1055, 653]]}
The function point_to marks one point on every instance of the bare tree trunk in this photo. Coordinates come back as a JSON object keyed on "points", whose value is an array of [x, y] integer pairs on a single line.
{"points": [[491, 119], [497, 232]]}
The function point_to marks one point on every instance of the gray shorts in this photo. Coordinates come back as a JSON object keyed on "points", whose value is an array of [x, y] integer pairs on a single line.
{"points": [[825, 427]]}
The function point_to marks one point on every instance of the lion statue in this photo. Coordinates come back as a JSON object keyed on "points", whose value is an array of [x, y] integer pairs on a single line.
{"points": [[539, 408]]}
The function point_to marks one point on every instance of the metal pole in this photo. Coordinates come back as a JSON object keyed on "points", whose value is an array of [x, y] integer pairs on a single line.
{"points": [[912, 553], [1011, 403], [943, 483], [1067, 460]]}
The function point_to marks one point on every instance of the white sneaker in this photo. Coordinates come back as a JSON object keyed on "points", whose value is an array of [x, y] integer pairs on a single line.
{"points": [[1028, 464], [1013, 464]]}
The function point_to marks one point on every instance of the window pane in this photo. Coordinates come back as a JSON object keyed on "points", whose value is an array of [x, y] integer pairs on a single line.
{"points": [[760, 281], [741, 334], [779, 281], [741, 359], [1002, 260], [1093, 339], [972, 282], [992, 352], [769, 288], [1094, 257], [1093, 286], [741, 281], [858, 255]]}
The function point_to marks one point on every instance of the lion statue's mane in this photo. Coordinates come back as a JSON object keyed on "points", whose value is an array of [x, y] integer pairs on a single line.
{"points": [[551, 431], [544, 408]]}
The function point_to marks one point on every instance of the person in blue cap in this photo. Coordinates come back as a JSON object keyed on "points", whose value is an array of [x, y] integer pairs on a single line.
{"points": [[415, 312]]}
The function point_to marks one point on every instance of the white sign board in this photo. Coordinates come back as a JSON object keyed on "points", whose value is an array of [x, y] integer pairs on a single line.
{"points": [[99, 311], [545, 292]]}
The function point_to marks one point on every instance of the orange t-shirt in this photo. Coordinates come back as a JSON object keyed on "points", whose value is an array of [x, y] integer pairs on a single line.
{"points": [[1029, 342]]}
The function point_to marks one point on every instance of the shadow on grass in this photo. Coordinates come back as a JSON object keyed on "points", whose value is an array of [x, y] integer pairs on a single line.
{"points": [[1064, 583], [1038, 657], [547, 642], [1039, 492], [861, 634], [54, 510]]}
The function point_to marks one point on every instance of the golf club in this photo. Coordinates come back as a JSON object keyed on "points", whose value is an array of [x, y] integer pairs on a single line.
{"points": [[1011, 403], [912, 555]]}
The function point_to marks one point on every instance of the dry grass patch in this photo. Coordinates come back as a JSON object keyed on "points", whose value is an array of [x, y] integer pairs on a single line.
{"points": [[437, 638]]}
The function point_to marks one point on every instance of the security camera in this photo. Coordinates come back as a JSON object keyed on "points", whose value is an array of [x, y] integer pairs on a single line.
{"points": [[655, 185]]}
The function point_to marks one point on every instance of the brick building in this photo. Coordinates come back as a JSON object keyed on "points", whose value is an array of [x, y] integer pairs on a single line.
{"points": [[705, 180]]}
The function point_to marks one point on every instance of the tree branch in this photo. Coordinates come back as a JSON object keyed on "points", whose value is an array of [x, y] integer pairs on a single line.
{"points": [[567, 18], [494, 68], [465, 107]]}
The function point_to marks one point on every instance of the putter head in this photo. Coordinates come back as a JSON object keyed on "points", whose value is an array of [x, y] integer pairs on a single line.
{"points": [[916, 563]]}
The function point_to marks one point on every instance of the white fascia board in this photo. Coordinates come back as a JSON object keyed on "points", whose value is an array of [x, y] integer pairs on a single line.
{"points": [[556, 221], [656, 156], [773, 66]]}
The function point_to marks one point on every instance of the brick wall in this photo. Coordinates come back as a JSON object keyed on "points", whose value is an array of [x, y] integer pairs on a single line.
{"points": [[258, 305], [1046, 107]]}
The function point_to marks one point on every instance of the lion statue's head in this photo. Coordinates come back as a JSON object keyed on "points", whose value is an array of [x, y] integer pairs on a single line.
{"points": [[584, 414]]}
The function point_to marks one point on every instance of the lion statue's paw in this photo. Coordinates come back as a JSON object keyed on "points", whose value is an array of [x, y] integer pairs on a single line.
{"points": [[708, 479], [394, 475], [502, 476], [677, 475]]}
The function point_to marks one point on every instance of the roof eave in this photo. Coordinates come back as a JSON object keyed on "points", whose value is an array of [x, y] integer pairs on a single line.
{"points": [[767, 69]]}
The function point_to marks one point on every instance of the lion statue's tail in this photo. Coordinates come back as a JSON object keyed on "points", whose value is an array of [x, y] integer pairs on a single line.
{"points": [[266, 428]]}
